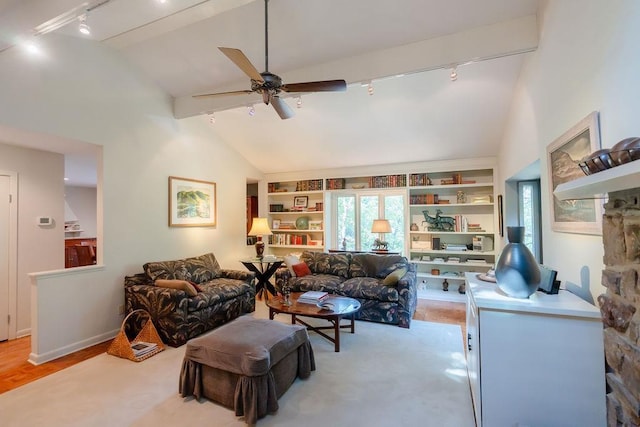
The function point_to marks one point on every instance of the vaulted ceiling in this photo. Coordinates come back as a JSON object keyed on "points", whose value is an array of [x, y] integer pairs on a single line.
{"points": [[406, 49]]}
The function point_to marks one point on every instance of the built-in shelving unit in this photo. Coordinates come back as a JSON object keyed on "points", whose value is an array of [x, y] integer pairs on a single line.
{"points": [[72, 229], [465, 199], [466, 195], [296, 216]]}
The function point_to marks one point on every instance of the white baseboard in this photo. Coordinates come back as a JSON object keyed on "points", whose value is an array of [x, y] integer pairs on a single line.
{"points": [[23, 333], [38, 359]]}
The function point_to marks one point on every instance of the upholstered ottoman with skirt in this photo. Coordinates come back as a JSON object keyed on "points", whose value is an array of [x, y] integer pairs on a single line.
{"points": [[246, 365]]}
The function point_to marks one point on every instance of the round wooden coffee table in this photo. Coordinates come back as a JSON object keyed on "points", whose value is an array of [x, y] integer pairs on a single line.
{"points": [[343, 307]]}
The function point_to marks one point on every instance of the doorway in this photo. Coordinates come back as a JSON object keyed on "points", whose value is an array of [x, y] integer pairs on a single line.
{"points": [[8, 247]]}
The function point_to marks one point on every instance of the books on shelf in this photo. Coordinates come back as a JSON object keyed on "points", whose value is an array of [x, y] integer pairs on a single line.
{"points": [[313, 297], [140, 348], [386, 181], [292, 239], [309, 185]]}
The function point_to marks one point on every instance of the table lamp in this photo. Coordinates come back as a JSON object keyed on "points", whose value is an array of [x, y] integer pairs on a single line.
{"points": [[381, 226], [260, 228]]}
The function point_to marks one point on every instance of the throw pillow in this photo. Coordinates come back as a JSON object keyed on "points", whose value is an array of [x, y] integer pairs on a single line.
{"points": [[301, 269], [182, 285], [175, 269], [290, 261], [393, 277], [203, 268]]}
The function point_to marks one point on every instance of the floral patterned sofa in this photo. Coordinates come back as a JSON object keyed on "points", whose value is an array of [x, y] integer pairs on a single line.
{"points": [[222, 295], [361, 276]]}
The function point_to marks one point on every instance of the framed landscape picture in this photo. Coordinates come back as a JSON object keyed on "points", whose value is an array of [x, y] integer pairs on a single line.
{"points": [[192, 203], [563, 156]]}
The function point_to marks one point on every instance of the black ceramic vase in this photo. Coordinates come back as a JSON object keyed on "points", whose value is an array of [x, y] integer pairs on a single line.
{"points": [[517, 271]]}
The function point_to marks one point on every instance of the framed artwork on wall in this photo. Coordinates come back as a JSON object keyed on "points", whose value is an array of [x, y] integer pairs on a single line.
{"points": [[563, 156], [192, 203]]}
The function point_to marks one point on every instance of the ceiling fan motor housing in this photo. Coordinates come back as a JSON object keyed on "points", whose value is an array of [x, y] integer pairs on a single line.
{"points": [[271, 84]]}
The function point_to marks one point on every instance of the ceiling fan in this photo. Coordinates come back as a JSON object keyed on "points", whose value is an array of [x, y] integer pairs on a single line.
{"points": [[268, 84]]}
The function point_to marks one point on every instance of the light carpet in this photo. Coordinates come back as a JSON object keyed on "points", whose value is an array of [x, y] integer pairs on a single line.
{"points": [[383, 376]]}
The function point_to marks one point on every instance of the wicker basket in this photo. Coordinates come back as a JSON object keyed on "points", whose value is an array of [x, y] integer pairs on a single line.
{"points": [[121, 346]]}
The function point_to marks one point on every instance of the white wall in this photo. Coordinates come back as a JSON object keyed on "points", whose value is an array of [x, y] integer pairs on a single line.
{"points": [[587, 60], [83, 91], [82, 201], [40, 192]]}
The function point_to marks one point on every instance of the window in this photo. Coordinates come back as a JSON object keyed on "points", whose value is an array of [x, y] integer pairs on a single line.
{"points": [[529, 216], [354, 214]]}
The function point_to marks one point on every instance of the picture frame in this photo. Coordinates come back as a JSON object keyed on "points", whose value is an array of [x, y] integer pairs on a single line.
{"points": [[563, 155], [300, 201], [275, 224], [315, 225], [500, 216], [192, 203]]}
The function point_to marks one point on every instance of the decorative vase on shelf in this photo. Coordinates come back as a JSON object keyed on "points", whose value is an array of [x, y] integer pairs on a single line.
{"points": [[517, 271]]}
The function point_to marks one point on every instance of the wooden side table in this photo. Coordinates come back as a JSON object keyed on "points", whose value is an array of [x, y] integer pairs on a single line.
{"points": [[264, 269]]}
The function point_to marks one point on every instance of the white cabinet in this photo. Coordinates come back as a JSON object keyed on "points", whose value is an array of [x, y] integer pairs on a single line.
{"points": [[536, 361]]}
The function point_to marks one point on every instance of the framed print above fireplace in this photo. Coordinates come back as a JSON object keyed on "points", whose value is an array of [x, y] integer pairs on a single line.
{"points": [[563, 158]]}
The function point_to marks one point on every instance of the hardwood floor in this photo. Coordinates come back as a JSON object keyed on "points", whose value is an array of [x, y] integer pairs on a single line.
{"points": [[15, 370]]}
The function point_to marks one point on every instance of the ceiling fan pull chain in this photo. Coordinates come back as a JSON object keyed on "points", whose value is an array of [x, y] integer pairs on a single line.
{"points": [[266, 36]]}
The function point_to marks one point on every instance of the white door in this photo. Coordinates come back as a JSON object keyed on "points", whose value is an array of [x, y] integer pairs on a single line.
{"points": [[4, 257]]}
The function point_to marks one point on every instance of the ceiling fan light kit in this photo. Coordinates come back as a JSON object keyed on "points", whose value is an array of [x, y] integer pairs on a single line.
{"points": [[270, 85]]}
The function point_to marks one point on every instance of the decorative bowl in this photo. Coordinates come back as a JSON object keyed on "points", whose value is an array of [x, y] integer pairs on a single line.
{"points": [[625, 151], [597, 161]]}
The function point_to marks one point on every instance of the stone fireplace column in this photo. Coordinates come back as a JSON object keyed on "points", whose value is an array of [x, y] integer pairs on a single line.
{"points": [[620, 307]]}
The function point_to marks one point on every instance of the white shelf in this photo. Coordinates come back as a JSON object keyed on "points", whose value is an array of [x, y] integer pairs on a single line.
{"points": [[295, 193], [440, 251], [435, 293], [451, 186], [73, 231], [438, 276], [439, 205], [277, 230], [297, 213], [461, 264], [597, 186], [298, 246], [452, 232]]}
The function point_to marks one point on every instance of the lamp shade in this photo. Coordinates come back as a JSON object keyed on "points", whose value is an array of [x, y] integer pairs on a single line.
{"points": [[381, 226], [260, 227]]}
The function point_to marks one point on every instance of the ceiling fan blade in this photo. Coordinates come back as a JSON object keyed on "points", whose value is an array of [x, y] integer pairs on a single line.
{"points": [[321, 86], [281, 107], [242, 62], [235, 92]]}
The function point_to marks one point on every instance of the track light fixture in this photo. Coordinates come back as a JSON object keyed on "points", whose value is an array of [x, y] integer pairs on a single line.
{"points": [[299, 102], [454, 74], [84, 27], [252, 111], [212, 118], [370, 88]]}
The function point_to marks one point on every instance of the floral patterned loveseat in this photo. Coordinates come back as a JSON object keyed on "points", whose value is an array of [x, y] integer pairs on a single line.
{"points": [[222, 296], [361, 276]]}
